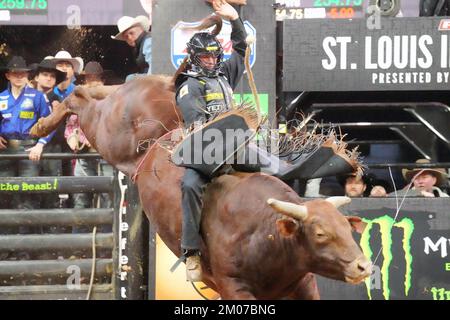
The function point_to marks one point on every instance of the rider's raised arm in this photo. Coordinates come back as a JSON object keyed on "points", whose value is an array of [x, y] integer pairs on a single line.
{"points": [[234, 67]]}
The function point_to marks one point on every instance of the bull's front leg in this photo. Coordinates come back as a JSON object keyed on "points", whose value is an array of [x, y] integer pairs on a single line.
{"points": [[233, 289], [306, 289]]}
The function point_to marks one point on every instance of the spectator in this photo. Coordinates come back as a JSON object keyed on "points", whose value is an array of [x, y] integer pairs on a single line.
{"points": [[47, 77], [426, 182], [368, 185], [356, 185], [20, 108], [66, 63], [93, 75], [135, 32]]}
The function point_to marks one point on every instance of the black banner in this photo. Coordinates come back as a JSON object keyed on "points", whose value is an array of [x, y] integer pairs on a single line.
{"points": [[366, 54]]}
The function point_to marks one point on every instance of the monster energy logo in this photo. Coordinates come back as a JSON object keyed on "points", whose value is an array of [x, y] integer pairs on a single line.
{"points": [[386, 223]]}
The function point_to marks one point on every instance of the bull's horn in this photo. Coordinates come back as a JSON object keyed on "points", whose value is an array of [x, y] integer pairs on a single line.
{"points": [[292, 210], [338, 201]]}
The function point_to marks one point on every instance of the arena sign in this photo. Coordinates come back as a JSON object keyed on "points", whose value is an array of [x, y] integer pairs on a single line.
{"points": [[355, 55], [181, 35], [410, 251]]}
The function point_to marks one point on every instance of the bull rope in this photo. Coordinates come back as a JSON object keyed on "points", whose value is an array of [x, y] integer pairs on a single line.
{"points": [[134, 176], [251, 80]]}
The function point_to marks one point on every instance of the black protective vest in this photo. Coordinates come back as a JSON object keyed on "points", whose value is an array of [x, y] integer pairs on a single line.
{"points": [[138, 52], [218, 94]]}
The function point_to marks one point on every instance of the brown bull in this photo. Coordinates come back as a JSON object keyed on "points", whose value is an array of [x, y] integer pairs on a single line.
{"points": [[248, 244], [253, 250], [117, 119]]}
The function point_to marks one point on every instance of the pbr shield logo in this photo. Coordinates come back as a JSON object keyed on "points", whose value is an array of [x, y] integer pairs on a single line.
{"points": [[180, 36], [387, 227]]}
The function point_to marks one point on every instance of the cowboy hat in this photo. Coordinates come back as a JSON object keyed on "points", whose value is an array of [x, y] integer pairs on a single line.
{"points": [[62, 55], [127, 22], [93, 67], [50, 66], [439, 173], [17, 63]]}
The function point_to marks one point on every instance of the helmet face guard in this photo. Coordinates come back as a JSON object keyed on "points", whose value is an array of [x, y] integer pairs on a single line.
{"points": [[205, 44]]}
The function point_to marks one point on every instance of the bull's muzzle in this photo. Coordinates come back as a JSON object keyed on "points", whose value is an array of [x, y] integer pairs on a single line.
{"points": [[358, 270]]}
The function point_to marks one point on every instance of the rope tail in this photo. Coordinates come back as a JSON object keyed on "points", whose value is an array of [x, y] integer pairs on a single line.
{"points": [[209, 21], [251, 80]]}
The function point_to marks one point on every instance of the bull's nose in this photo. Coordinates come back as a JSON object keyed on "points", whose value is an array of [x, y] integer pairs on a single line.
{"points": [[364, 265]]}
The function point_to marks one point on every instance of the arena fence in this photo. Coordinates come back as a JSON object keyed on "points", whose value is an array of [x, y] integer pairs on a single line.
{"points": [[121, 254]]}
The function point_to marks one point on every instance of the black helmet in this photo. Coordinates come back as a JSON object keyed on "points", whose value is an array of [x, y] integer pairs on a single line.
{"points": [[204, 43]]}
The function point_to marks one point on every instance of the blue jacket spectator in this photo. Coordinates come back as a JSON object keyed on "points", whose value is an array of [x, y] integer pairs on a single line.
{"points": [[66, 63], [19, 113]]}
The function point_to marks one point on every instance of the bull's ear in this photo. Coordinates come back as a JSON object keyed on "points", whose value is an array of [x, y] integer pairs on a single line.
{"points": [[287, 227], [357, 224]]}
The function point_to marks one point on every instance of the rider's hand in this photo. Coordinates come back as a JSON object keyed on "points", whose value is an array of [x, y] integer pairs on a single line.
{"points": [[225, 10]]}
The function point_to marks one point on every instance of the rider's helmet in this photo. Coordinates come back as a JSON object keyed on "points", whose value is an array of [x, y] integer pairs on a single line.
{"points": [[204, 43]]}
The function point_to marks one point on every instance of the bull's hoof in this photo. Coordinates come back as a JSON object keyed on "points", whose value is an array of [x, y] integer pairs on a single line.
{"points": [[194, 269]]}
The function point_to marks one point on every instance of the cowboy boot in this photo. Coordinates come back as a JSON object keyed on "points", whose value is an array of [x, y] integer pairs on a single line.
{"points": [[321, 162], [194, 268]]}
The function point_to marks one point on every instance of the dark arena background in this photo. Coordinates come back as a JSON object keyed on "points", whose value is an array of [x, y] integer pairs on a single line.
{"points": [[377, 70]]}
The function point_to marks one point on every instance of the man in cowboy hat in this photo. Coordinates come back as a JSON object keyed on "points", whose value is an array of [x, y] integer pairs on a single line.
{"points": [[47, 76], [356, 185], [426, 181], [66, 63], [135, 32], [20, 108], [93, 74]]}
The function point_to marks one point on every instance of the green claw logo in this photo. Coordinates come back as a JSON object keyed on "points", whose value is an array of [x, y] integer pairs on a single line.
{"points": [[386, 224]]}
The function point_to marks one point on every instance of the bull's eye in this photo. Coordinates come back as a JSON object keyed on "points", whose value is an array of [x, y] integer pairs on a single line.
{"points": [[321, 236]]}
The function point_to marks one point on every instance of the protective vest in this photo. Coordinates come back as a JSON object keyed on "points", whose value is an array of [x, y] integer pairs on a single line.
{"points": [[139, 55], [217, 93]]}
